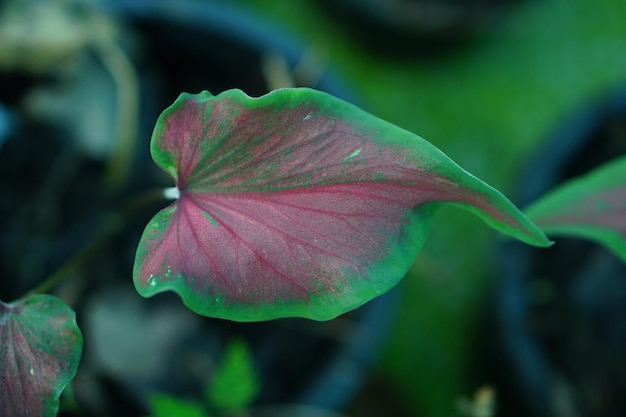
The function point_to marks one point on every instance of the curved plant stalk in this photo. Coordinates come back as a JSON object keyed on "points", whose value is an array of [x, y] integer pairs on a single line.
{"points": [[115, 224], [276, 71], [126, 81]]}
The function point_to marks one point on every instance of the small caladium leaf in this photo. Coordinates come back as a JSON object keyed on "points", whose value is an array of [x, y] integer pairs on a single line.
{"points": [[296, 204], [592, 206], [40, 347], [234, 385], [163, 405]]}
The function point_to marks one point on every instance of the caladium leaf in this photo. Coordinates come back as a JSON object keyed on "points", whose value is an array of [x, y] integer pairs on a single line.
{"points": [[40, 347], [296, 204], [592, 206]]}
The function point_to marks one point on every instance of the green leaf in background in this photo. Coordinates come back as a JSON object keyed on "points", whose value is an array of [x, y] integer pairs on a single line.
{"points": [[40, 348], [592, 206], [163, 405], [235, 383]]}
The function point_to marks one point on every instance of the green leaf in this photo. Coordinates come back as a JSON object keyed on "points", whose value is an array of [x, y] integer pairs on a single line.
{"points": [[163, 405], [297, 203], [592, 206], [40, 348], [235, 384]]}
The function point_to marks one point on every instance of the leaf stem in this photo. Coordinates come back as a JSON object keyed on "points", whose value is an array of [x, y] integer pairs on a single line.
{"points": [[115, 224], [126, 80]]}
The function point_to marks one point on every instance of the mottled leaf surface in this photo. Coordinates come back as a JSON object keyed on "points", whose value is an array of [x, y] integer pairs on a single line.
{"points": [[40, 347], [296, 204], [592, 206]]}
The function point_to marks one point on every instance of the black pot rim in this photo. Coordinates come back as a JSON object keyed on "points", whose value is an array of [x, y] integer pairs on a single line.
{"points": [[526, 358]]}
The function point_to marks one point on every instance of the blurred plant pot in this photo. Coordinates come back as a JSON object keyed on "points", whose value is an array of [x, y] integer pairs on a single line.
{"points": [[562, 310], [428, 24], [135, 346]]}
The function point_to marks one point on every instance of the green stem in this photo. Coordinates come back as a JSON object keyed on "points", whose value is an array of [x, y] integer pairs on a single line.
{"points": [[118, 220]]}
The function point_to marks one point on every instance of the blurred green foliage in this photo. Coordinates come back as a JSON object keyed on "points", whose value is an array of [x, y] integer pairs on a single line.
{"points": [[235, 383], [233, 387], [163, 405], [487, 104]]}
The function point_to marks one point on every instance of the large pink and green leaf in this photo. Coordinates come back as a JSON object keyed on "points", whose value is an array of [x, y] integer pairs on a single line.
{"points": [[40, 347], [296, 204], [592, 206]]}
